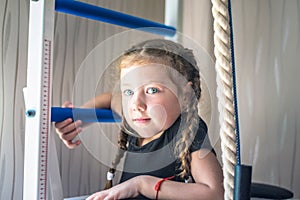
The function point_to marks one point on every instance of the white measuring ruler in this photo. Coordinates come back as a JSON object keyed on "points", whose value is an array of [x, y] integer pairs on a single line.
{"points": [[38, 99]]}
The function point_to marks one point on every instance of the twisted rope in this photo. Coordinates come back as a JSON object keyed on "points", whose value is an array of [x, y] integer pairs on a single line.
{"points": [[226, 92]]}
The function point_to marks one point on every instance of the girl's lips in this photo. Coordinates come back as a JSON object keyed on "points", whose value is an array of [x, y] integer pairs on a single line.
{"points": [[141, 120]]}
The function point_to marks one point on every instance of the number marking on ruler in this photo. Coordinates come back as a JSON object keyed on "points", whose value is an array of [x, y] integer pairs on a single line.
{"points": [[45, 112]]}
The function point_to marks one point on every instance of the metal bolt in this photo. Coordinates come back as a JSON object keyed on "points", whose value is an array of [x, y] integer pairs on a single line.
{"points": [[30, 113]]}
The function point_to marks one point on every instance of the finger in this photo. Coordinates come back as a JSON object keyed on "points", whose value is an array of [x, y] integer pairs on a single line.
{"points": [[67, 104], [108, 198], [71, 144], [62, 124], [95, 196], [100, 195], [70, 127], [70, 135]]}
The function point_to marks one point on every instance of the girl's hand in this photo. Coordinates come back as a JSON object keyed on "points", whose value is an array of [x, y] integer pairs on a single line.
{"points": [[68, 130], [127, 189]]}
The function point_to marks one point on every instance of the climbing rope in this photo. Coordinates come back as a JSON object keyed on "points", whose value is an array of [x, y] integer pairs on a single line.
{"points": [[226, 92]]}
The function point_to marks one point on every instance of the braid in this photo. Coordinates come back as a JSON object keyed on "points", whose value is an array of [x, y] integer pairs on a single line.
{"points": [[122, 147], [185, 64], [188, 133]]}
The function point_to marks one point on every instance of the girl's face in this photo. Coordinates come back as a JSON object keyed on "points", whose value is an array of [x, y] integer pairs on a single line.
{"points": [[149, 99]]}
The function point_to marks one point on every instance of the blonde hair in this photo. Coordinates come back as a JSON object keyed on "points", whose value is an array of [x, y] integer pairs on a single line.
{"points": [[177, 57]]}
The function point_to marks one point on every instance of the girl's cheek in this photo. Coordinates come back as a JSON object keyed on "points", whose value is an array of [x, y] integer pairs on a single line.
{"points": [[158, 114], [125, 108]]}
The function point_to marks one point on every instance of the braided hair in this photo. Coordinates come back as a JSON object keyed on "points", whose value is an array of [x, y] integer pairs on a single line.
{"points": [[174, 55]]}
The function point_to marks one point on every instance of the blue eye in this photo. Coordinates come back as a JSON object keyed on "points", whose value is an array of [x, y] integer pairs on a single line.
{"points": [[152, 90], [128, 92]]}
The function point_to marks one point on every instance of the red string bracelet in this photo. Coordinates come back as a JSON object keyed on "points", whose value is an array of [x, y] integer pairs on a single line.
{"points": [[158, 184]]}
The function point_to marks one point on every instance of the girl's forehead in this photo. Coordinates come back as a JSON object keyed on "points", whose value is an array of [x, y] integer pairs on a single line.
{"points": [[139, 75], [156, 71], [136, 76], [151, 72]]}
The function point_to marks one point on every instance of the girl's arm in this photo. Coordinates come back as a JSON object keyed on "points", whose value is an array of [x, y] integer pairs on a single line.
{"points": [[204, 168], [105, 100], [68, 130], [207, 174]]}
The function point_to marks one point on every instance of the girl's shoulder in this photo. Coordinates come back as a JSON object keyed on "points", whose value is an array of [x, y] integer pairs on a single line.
{"points": [[201, 139]]}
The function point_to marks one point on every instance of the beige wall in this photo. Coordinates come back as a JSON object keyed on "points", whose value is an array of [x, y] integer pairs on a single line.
{"points": [[267, 35], [267, 45]]}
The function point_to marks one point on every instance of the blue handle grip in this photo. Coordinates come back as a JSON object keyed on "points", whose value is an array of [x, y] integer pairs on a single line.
{"points": [[88, 115]]}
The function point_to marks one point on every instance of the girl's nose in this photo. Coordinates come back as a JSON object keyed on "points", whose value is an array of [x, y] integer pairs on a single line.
{"points": [[138, 101]]}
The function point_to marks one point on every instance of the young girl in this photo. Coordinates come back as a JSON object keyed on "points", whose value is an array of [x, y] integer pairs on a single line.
{"points": [[167, 151]]}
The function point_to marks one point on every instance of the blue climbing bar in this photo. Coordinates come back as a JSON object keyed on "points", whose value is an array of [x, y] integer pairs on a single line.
{"points": [[89, 11], [88, 115]]}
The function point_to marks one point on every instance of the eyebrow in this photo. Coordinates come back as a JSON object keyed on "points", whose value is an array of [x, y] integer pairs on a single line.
{"points": [[125, 86], [147, 83]]}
